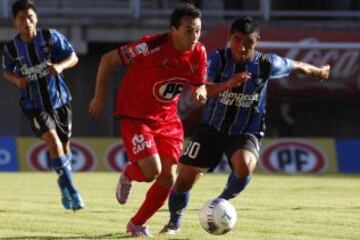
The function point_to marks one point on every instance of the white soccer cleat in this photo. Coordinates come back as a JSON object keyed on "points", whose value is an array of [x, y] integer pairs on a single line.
{"points": [[169, 229]]}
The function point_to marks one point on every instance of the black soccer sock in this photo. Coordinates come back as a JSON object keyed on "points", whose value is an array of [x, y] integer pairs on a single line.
{"points": [[234, 186], [177, 204]]}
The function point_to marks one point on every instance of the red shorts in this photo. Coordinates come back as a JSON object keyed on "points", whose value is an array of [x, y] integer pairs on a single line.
{"points": [[145, 139]]}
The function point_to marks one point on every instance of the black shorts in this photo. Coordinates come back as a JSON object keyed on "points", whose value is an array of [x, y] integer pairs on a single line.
{"points": [[207, 145], [59, 119]]}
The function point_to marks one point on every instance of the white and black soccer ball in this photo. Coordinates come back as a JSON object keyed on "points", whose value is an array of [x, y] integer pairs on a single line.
{"points": [[218, 216]]}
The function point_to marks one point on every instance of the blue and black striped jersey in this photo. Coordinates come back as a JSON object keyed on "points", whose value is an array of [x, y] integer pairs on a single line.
{"points": [[241, 110], [44, 91]]}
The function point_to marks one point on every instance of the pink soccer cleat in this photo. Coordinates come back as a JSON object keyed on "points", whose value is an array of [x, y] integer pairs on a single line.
{"points": [[123, 188], [138, 231]]}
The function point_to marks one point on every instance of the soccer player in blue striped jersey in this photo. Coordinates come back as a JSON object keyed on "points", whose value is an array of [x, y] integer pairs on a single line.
{"points": [[233, 120], [34, 61]]}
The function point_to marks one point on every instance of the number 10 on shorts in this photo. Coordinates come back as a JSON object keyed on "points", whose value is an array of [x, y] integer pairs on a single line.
{"points": [[192, 149]]}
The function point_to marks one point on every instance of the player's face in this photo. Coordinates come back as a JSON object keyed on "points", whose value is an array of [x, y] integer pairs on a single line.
{"points": [[25, 22], [187, 34], [243, 45]]}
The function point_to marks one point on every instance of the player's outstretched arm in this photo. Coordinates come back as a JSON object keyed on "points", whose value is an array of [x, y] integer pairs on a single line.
{"points": [[106, 66], [321, 73], [18, 81], [214, 89], [69, 62]]}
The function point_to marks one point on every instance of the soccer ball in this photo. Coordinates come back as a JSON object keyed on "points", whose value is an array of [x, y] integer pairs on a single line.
{"points": [[217, 216]]}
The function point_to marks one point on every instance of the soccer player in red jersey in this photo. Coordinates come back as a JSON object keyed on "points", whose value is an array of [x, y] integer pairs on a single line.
{"points": [[158, 67]]}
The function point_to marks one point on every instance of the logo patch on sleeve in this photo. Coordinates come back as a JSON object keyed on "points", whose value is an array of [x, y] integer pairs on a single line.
{"points": [[142, 48]]}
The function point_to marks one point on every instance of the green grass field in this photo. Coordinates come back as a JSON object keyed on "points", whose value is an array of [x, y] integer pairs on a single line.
{"points": [[273, 207]]}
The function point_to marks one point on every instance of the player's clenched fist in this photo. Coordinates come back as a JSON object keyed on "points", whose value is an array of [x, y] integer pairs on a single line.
{"points": [[95, 106], [199, 94]]}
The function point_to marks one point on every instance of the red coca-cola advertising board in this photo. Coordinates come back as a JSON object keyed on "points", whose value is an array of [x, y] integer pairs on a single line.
{"points": [[337, 47]]}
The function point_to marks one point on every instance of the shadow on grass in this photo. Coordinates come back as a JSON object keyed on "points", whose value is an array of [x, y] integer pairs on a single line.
{"points": [[104, 236], [187, 210], [100, 212]]}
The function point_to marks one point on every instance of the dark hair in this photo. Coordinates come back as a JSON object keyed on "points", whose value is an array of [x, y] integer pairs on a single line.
{"points": [[184, 9], [245, 25], [21, 5]]}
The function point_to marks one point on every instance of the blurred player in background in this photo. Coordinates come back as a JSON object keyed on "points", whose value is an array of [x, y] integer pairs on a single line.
{"points": [[34, 61], [158, 67], [233, 120]]}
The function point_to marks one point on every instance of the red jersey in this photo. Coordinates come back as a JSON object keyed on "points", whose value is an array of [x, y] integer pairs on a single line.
{"points": [[155, 76]]}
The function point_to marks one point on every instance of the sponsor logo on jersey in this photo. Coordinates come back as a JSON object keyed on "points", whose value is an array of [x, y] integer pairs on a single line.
{"points": [[115, 157], [35, 72], [83, 159], [169, 90], [139, 143], [293, 156], [229, 98]]}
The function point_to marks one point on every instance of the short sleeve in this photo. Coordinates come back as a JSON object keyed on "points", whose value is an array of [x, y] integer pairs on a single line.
{"points": [[214, 62], [7, 61], [135, 51], [280, 67], [61, 48], [200, 72]]}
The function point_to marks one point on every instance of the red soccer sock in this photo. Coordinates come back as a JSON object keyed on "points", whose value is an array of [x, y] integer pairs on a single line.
{"points": [[155, 199], [134, 173]]}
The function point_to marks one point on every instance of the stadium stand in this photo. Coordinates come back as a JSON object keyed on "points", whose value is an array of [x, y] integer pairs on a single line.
{"points": [[96, 26]]}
